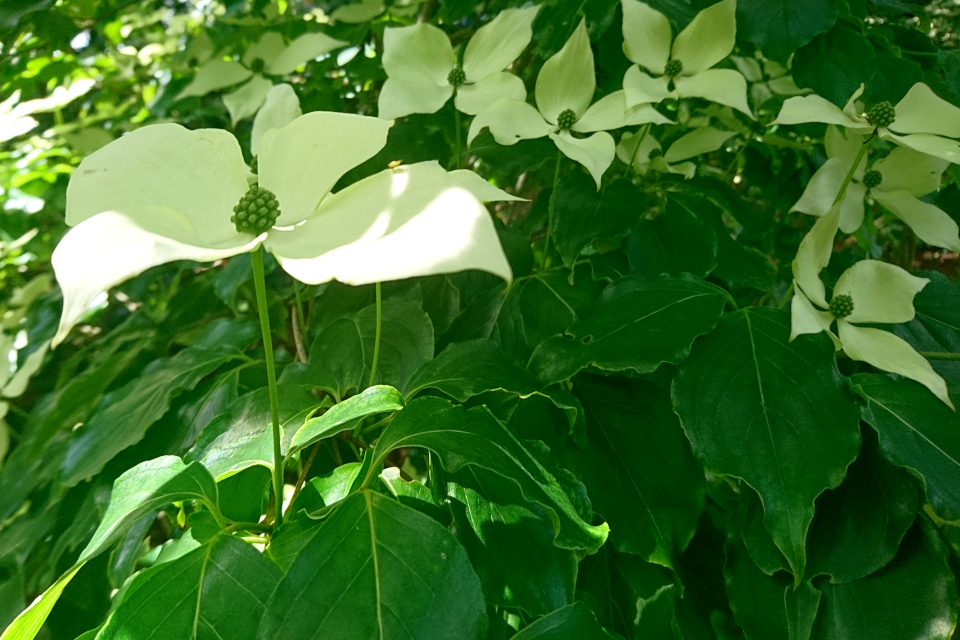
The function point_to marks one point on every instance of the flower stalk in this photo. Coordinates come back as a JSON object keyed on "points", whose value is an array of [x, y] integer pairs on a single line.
{"points": [[261, 287]]}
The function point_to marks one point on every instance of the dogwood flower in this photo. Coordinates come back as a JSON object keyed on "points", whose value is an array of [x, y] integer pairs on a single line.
{"points": [[269, 55], [164, 193], [564, 90], [869, 292], [422, 70], [644, 153], [922, 120], [895, 182], [682, 67]]}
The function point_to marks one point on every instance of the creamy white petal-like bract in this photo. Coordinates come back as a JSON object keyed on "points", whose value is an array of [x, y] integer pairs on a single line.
{"points": [[410, 221], [708, 39], [280, 109], [498, 43], [930, 223], [595, 152], [474, 98], [882, 293], [247, 100], [214, 75], [567, 79]]}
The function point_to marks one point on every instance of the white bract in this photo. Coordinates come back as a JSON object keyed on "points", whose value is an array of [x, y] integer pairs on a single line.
{"points": [[164, 193], [896, 182], [16, 117], [682, 67], [922, 121], [644, 152], [564, 91], [869, 292], [422, 70], [270, 55]]}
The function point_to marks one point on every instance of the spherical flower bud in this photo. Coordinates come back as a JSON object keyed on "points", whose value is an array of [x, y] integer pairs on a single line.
{"points": [[872, 179], [256, 212], [566, 119], [257, 65], [654, 153], [673, 68], [882, 114], [456, 77], [841, 306]]}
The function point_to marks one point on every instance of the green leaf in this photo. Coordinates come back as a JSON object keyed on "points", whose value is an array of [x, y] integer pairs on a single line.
{"points": [[345, 346], [768, 607], [142, 402], [243, 436], [936, 326], [858, 526], [912, 597], [573, 621], [375, 568], [215, 591], [474, 438], [550, 302], [779, 27], [772, 412], [674, 242], [145, 488], [583, 214], [637, 324], [638, 468], [142, 489], [835, 64], [917, 431], [27, 624], [340, 417], [512, 548]]}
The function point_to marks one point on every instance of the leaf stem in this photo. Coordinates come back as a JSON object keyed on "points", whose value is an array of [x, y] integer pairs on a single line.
{"points": [[456, 132], [376, 342], [550, 207], [940, 355], [261, 287], [853, 169]]}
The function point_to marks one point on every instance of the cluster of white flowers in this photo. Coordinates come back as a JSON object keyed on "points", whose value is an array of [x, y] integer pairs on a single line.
{"points": [[925, 128]]}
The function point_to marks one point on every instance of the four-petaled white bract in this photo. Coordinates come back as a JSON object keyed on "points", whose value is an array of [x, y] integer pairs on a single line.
{"points": [[636, 150], [905, 176], [419, 59], [567, 82], [880, 293], [269, 54], [164, 193], [709, 38], [924, 121]]}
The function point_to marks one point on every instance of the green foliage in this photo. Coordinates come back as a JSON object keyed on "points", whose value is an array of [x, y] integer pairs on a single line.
{"points": [[631, 438]]}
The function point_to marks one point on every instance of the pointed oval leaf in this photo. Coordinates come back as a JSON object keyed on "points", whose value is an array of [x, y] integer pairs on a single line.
{"points": [[378, 399]]}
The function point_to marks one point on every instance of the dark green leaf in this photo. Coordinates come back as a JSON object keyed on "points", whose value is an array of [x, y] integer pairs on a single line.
{"points": [[674, 242], [779, 27], [912, 597], [936, 326], [550, 303], [377, 569], [637, 324], [638, 468], [573, 621], [917, 431], [467, 438], [583, 214], [858, 526], [142, 401], [215, 591], [835, 64], [772, 412]]}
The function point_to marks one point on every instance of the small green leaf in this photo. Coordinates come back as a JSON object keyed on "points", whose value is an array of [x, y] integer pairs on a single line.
{"points": [[772, 412], [378, 399], [375, 568], [243, 436], [466, 438], [215, 591], [637, 324], [572, 621]]}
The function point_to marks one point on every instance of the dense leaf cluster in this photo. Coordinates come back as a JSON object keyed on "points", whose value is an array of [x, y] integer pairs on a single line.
{"points": [[621, 443]]}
